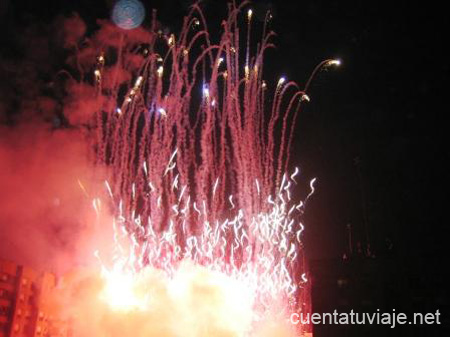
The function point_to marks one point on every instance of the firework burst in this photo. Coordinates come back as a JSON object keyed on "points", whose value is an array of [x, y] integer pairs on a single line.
{"points": [[198, 149]]}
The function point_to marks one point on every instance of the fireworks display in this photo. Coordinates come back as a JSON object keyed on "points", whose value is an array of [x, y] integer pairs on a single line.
{"points": [[158, 164], [192, 148], [199, 150]]}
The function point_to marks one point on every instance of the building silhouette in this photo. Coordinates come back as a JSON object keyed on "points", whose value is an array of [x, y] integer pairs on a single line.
{"points": [[367, 284], [27, 303]]}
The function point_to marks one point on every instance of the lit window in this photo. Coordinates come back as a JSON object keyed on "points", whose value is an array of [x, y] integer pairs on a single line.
{"points": [[342, 282]]}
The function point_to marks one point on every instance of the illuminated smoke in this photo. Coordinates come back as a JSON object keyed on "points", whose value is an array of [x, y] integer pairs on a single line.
{"points": [[194, 302]]}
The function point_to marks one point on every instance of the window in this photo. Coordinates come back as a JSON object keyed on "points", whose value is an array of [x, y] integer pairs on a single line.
{"points": [[7, 278], [5, 294], [4, 310], [342, 282]]}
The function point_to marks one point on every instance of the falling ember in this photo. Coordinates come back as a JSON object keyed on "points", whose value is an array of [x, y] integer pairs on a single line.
{"points": [[207, 185]]}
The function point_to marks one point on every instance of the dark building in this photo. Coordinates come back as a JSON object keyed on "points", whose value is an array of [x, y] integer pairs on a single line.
{"points": [[381, 284]]}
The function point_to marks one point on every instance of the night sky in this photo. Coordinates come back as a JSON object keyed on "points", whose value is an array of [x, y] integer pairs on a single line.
{"points": [[374, 133]]}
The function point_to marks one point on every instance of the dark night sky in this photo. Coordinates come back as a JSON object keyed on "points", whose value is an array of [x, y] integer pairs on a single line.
{"points": [[383, 109]]}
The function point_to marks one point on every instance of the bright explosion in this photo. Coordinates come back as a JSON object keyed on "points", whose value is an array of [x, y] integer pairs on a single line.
{"points": [[205, 226]]}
